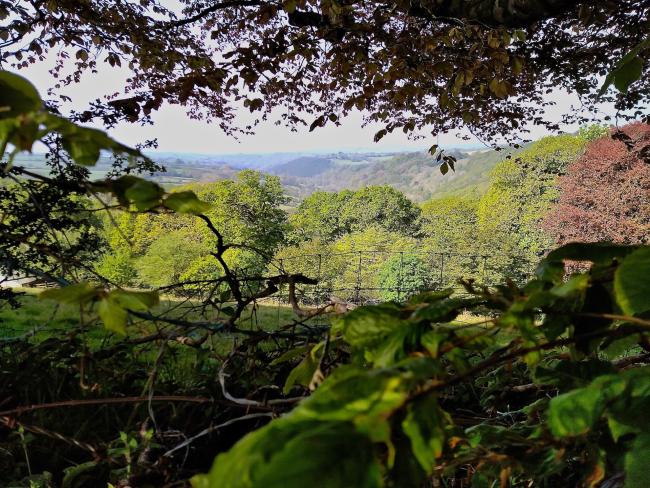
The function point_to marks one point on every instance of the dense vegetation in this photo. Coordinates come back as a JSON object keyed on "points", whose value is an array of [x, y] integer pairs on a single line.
{"points": [[170, 371]]}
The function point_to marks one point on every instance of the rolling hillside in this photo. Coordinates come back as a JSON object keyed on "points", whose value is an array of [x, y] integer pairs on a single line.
{"points": [[414, 173]]}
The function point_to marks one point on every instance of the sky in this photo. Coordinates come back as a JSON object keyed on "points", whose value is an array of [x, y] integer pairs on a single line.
{"points": [[176, 132]]}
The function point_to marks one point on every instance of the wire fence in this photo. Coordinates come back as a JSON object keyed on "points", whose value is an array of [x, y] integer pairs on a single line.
{"points": [[364, 277], [370, 276]]}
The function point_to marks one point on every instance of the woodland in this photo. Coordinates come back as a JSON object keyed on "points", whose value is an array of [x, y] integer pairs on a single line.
{"points": [[187, 336]]}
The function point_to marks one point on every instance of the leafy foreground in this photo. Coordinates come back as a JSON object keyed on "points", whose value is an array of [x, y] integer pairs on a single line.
{"points": [[551, 390], [418, 398]]}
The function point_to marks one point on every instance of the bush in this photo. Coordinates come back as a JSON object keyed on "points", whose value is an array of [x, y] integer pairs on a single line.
{"points": [[402, 276]]}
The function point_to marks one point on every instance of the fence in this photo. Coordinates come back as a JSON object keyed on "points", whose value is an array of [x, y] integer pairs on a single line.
{"points": [[369, 276]]}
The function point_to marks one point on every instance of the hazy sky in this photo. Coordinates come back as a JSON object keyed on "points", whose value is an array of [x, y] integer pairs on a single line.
{"points": [[176, 132]]}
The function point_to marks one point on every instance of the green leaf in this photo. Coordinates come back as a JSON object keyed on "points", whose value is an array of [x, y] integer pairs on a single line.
{"points": [[390, 349], [594, 252], [632, 408], [431, 341], [131, 189], [365, 326], [357, 395], [302, 374], [632, 282], [619, 429], [291, 354], [431, 296], [576, 412], [138, 301], [628, 74], [287, 454], [567, 375], [616, 348], [289, 6], [443, 310], [78, 293], [113, 316], [425, 427], [574, 285], [144, 194], [637, 462], [83, 150], [499, 88], [17, 96], [229, 311], [185, 202]]}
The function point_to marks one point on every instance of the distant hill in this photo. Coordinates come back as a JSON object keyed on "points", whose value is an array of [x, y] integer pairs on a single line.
{"points": [[414, 173], [306, 166]]}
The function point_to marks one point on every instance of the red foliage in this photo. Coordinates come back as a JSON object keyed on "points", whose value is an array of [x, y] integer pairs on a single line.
{"points": [[605, 195]]}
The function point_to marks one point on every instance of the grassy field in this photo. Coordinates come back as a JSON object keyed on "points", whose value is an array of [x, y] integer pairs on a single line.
{"points": [[39, 319]]}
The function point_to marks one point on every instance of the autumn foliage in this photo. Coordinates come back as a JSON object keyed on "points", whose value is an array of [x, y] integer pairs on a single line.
{"points": [[605, 195]]}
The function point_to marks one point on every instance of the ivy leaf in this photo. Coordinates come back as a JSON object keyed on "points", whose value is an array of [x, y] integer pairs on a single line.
{"points": [[79, 293], [632, 282], [185, 202], [17, 96]]}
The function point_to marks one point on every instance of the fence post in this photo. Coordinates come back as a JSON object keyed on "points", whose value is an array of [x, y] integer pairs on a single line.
{"points": [[279, 295], [320, 262], [358, 285], [484, 270], [442, 267], [399, 279]]}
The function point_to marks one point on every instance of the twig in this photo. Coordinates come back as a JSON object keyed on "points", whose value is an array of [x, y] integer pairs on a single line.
{"points": [[252, 403], [212, 428], [107, 401]]}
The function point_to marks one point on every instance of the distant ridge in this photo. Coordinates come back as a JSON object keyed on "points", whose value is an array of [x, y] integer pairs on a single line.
{"points": [[305, 167], [416, 174]]}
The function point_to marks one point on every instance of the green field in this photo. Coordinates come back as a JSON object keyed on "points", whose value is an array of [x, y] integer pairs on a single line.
{"points": [[39, 319]]}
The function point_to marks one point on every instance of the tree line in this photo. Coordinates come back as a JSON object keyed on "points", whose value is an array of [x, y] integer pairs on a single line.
{"points": [[532, 203]]}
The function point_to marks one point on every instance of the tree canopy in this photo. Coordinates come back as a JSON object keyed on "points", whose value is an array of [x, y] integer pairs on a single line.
{"points": [[605, 195], [539, 379], [486, 65]]}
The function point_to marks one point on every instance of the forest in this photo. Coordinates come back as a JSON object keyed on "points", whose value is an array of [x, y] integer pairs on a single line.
{"points": [[231, 333]]}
